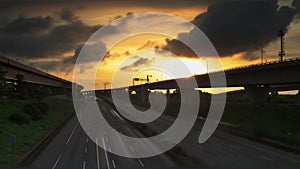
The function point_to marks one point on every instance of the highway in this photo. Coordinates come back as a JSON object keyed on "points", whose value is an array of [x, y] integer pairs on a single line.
{"points": [[72, 149]]}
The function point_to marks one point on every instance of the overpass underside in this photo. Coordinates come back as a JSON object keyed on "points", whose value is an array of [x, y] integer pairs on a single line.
{"points": [[24, 81], [259, 81]]}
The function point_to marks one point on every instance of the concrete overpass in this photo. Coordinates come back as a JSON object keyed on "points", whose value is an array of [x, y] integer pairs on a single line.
{"points": [[258, 80], [33, 78]]}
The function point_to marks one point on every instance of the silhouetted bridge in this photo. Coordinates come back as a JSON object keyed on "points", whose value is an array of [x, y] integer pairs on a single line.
{"points": [[258, 80], [32, 79]]}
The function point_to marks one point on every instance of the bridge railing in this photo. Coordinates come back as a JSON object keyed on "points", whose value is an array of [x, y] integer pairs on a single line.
{"points": [[255, 65], [23, 67]]}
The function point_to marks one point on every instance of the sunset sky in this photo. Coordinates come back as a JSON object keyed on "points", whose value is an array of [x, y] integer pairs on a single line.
{"points": [[48, 35]]}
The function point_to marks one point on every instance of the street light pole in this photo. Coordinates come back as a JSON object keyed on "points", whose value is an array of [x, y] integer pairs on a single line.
{"points": [[282, 51], [148, 78], [262, 54]]}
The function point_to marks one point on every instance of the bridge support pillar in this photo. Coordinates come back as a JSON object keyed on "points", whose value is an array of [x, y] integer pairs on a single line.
{"points": [[258, 94], [142, 95]]}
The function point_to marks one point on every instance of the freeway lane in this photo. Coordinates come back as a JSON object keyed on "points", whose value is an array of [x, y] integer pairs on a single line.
{"points": [[72, 148], [224, 150]]}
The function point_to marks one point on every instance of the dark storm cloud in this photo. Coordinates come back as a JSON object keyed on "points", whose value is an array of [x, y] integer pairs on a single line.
{"points": [[296, 4], [37, 33], [240, 26], [58, 66], [137, 64], [114, 55], [90, 52], [39, 37], [112, 3], [68, 15], [67, 63], [23, 25], [149, 44], [178, 48], [169, 4], [48, 36], [174, 48]]}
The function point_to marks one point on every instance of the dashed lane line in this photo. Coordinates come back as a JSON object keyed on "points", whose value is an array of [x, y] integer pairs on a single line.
{"points": [[97, 154], [140, 161], [60, 154], [104, 146], [113, 162], [84, 165]]}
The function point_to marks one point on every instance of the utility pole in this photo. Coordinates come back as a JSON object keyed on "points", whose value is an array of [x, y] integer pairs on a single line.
{"points": [[105, 84], [282, 52], [262, 54]]}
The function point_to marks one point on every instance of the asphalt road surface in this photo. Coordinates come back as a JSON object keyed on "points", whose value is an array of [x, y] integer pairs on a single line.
{"points": [[73, 149]]}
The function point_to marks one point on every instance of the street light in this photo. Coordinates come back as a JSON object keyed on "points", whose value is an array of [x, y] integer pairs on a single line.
{"points": [[105, 84], [135, 79], [262, 54], [141, 79], [148, 78]]}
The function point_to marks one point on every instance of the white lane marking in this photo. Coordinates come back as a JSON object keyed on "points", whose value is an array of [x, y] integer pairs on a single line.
{"points": [[115, 114], [104, 146], [131, 148], [72, 133], [141, 162], [112, 112], [97, 154], [60, 154], [84, 164], [109, 149], [56, 162], [86, 150], [87, 141], [113, 162]]}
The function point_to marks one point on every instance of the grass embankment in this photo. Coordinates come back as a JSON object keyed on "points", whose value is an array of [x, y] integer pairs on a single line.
{"points": [[30, 133], [277, 122]]}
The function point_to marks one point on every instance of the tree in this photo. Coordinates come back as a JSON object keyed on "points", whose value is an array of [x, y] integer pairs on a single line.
{"points": [[3, 86], [21, 86]]}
